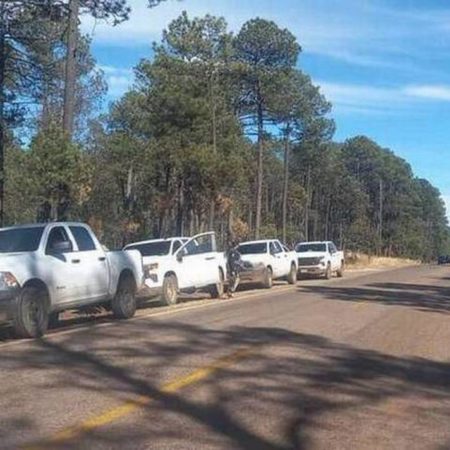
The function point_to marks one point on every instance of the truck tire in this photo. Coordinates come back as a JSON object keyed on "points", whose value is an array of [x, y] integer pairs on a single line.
{"points": [[268, 278], [340, 271], [292, 277], [217, 290], [169, 294], [328, 272], [123, 304], [31, 315]]}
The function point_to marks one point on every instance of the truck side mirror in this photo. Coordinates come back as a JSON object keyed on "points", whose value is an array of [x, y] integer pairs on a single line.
{"points": [[180, 257]]}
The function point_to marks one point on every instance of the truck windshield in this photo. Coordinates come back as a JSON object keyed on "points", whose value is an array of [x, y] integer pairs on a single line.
{"points": [[159, 248], [20, 239], [252, 249], [303, 248]]}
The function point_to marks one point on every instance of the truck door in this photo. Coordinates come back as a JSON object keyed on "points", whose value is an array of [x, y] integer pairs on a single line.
{"points": [[93, 264], [287, 258], [62, 270], [278, 259], [197, 266], [335, 263]]}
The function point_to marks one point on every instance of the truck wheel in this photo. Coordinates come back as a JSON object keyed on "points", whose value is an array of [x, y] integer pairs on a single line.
{"points": [[170, 290], [123, 304], [340, 271], [328, 272], [292, 277], [268, 279], [217, 290], [31, 316]]}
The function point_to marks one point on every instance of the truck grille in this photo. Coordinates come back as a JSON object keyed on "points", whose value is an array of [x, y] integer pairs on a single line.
{"points": [[309, 261]]}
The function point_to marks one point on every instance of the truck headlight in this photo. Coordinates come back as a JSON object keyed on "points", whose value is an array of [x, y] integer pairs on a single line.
{"points": [[8, 281], [322, 261]]}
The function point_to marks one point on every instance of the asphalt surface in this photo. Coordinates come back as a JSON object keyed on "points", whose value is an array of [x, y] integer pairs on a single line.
{"points": [[361, 362]]}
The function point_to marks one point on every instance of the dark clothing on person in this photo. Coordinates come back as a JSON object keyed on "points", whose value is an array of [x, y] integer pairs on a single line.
{"points": [[233, 267]]}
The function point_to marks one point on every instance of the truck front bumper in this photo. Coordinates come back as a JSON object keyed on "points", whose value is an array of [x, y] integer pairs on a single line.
{"points": [[7, 304], [312, 270], [152, 287]]}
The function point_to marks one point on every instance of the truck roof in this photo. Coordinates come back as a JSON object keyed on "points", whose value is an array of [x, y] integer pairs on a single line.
{"points": [[314, 242], [260, 241], [42, 224], [169, 239]]}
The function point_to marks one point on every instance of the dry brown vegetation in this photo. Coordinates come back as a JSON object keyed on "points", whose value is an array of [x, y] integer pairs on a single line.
{"points": [[363, 261]]}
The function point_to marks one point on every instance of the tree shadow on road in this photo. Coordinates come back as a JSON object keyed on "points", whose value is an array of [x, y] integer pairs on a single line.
{"points": [[422, 297], [291, 387]]}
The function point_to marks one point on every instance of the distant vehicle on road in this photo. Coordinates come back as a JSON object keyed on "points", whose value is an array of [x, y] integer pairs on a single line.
{"points": [[49, 268], [181, 264], [319, 259], [279, 262]]}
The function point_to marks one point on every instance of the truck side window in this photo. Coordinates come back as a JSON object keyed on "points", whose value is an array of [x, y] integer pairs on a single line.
{"points": [[83, 239], [202, 244], [176, 246], [275, 248], [56, 236]]}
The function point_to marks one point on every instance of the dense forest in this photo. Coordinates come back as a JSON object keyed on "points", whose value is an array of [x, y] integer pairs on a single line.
{"points": [[220, 131]]}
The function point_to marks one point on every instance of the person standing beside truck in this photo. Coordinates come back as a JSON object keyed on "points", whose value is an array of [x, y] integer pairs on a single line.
{"points": [[233, 266]]}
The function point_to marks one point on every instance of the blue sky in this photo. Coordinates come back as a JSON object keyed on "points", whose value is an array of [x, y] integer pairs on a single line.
{"points": [[384, 64]]}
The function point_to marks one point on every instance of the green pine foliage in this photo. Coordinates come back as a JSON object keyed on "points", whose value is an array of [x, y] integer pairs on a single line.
{"points": [[212, 132]]}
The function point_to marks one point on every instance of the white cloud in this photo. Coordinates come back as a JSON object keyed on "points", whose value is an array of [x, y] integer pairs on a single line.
{"points": [[366, 99], [355, 31], [430, 92], [119, 79]]}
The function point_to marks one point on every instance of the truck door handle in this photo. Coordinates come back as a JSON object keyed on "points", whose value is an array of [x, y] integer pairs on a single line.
{"points": [[75, 261], [209, 258], [102, 258]]}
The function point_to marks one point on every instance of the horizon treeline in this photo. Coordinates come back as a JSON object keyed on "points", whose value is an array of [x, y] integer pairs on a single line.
{"points": [[219, 131]]}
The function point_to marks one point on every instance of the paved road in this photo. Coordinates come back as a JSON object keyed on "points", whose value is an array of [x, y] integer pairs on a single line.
{"points": [[356, 363]]}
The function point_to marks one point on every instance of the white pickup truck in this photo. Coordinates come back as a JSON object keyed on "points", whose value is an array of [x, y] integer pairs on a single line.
{"points": [[48, 268], [319, 258], [280, 262], [181, 264]]}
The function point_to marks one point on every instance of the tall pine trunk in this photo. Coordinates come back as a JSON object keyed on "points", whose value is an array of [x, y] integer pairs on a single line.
{"points": [[212, 205], [180, 209], [285, 182], [308, 201], [71, 76], [259, 176]]}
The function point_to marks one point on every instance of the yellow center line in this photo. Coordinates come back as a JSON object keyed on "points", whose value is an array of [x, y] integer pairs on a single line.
{"points": [[360, 304], [118, 412]]}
